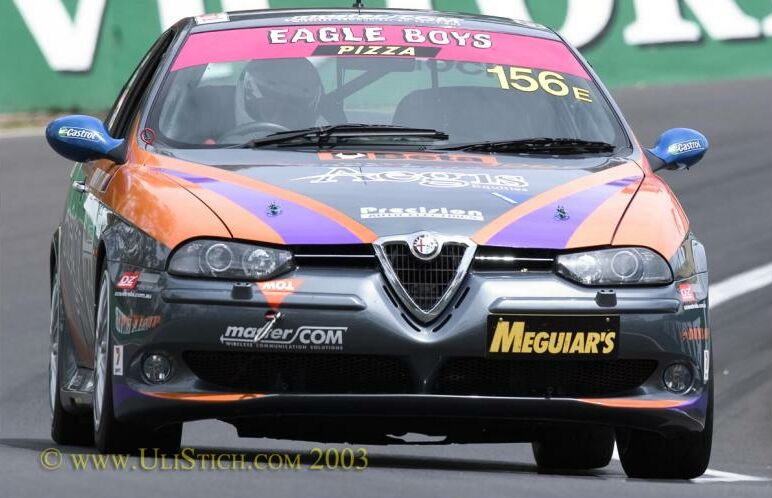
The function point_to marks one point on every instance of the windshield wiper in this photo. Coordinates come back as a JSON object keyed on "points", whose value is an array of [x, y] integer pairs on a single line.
{"points": [[558, 146], [322, 135]]}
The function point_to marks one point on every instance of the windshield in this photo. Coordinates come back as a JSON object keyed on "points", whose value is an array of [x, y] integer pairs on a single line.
{"points": [[228, 87]]}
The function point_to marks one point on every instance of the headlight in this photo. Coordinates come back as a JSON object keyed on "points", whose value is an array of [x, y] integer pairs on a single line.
{"points": [[626, 266], [217, 258]]}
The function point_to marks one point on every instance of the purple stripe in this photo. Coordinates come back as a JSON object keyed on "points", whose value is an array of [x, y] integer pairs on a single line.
{"points": [[296, 224], [542, 230]]}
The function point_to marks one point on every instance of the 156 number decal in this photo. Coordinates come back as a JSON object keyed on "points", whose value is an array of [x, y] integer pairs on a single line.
{"points": [[523, 79]]}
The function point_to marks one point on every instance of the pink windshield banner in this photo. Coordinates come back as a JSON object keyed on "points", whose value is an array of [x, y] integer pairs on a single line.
{"points": [[447, 44]]}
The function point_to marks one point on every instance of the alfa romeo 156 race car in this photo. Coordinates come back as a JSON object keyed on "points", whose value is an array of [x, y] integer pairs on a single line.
{"points": [[346, 226]]}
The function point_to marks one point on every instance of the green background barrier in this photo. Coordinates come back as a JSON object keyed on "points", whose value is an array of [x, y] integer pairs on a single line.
{"points": [[74, 55]]}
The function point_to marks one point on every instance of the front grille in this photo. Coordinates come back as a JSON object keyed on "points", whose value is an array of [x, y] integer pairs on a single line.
{"points": [[301, 373], [539, 378], [426, 282]]}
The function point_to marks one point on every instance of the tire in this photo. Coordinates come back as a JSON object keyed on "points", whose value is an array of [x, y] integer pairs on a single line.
{"points": [[647, 455], [110, 435], [580, 448], [66, 428]]}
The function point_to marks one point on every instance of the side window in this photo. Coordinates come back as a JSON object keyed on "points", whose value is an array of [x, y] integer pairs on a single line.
{"points": [[124, 108]]}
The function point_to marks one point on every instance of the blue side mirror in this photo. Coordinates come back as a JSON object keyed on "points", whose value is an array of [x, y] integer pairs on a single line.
{"points": [[84, 138], [680, 148]]}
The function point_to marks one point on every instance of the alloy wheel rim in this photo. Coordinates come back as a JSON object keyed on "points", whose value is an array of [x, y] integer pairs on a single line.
{"points": [[53, 357]]}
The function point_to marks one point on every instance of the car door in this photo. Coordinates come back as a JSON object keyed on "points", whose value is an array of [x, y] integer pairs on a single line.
{"points": [[86, 220]]}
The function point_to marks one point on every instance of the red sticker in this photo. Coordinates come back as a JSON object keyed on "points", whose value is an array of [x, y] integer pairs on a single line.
{"points": [[275, 291], [687, 293], [128, 280]]}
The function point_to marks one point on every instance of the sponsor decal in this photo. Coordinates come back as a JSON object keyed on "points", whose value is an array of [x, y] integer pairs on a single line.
{"points": [[128, 280], [687, 293], [377, 18], [524, 79], [377, 50], [133, 294], [706, 365], [432, 179], [371, 213], [131, 324], [80, 133], [558, 336], [684, 147], [692, 334], [409, 157], [212, 18], [689, 297], [276, 291], [117, 360], [307, 338], [377, 34]]}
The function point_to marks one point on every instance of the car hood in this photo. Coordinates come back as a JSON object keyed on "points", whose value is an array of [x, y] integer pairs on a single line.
{"points": [[356, 197]]}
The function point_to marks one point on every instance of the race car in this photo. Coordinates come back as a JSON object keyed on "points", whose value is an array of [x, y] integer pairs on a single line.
{"points": [[349, 225]]}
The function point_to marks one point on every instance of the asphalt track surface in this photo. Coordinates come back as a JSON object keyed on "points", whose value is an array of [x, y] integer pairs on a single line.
{"points": [[729, 201]]}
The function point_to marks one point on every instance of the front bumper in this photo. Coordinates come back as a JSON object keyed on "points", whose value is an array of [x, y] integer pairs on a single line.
{"points": [[352, 314]]}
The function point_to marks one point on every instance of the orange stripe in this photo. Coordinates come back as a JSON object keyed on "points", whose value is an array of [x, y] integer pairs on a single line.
{"points": [[239, 220], [553, 195], [365, 234], [636, 403], [654, 219], [159, 207], [600, 226], [204, 397]]}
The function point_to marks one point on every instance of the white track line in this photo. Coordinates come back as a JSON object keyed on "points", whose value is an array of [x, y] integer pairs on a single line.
{"points": [[741, 284], [713, 476], [722, 293], [22, 133]]}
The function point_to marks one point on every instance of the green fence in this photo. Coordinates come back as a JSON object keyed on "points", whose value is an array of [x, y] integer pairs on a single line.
{"points": [[60, 55]]}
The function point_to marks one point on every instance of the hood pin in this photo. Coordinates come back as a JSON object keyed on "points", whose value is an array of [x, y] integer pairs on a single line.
{"points": [[562, 214], [273, 209]]}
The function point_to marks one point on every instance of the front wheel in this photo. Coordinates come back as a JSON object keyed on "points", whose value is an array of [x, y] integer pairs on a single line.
{"points": [[110, 435], [648, 455], [66, 428]]}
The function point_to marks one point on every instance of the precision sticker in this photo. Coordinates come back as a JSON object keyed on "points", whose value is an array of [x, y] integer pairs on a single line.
{"points": [[371, 213]]}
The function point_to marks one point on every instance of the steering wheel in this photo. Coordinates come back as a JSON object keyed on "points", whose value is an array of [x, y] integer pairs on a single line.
{"points": [[248, 131]]}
